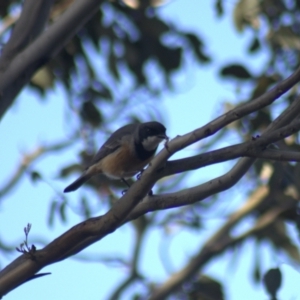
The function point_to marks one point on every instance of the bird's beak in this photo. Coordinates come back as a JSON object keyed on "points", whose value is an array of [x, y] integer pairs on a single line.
{"points": [[163, 137]]}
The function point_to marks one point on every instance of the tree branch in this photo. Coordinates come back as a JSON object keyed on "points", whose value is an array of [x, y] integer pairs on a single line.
{"points": [[30, 24], [201, 192], [140, 226], [255, 148], [27, 160], [94, 229], [26, 265], [219, 242], [19, 71], [220, 239], [237, 113], [32, 21], [275, 155]]}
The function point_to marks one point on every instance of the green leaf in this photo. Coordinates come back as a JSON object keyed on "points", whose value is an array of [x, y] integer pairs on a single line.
{"points": [[85, 208], [257, 263], [91, 114], [277, 233], [236, 71], [198, 46], [263, 83], [35, 176], [62, 211], [272, 281], [246, 12], [113, 65], [285, 37], [52, 211], [155, 26], [219, 8], [169, 58], [206, 288], [254, 45]]}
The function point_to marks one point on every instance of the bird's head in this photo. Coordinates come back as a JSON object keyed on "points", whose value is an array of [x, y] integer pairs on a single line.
{"points": [[150, 134]]}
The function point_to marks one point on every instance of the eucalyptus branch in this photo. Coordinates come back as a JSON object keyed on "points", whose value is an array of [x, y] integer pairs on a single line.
{"points": [[272, 154], [26, 162], [219, 242], [254, 148], [30, 24], [235, 114], [129, 206], [75, 239], [32, 21], [19, 71], [140, 226], [221, 239]]}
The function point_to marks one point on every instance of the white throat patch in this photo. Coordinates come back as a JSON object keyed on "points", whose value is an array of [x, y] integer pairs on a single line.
{"points": [[151, 142]]}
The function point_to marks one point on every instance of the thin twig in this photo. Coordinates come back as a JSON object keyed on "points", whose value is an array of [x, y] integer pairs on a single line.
{"points": [[27, 160]]}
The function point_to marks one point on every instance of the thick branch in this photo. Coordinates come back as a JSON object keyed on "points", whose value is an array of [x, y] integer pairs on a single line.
{"points": [[223, 241], [254, 148], [31, 23], [45, 47], [275, 155], [235, 114], [220, 241], [92, 230], [70, 242]]}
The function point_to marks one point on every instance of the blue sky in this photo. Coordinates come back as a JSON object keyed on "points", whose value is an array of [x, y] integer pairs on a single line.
{"points": [[198, 100]]}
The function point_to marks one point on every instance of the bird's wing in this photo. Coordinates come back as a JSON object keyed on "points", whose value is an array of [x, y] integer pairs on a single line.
{"points": [[114, 142]]}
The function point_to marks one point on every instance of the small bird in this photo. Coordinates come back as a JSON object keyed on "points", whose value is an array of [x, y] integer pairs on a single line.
{"points": [[127, 151]]}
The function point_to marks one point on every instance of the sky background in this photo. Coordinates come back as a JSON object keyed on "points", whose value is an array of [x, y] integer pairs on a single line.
{"points": [[32, 121]]}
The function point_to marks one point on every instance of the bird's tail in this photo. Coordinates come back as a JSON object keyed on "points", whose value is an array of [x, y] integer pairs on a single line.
{"points": [[77, 183]]}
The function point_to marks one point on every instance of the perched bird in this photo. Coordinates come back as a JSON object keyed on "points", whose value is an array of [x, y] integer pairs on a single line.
{"points": [[127, 151]]}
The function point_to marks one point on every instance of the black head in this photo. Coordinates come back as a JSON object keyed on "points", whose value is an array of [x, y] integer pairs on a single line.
{"points": [[150, 134], [151, 129]]}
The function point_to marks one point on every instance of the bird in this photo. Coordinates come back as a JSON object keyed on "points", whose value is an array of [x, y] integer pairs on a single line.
{"points": [[126, 152]]}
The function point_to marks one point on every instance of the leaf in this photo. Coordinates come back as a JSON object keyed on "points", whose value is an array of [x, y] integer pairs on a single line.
{"points": [[135, 56], [154, 27], [100, 90], [113, 65], [246, 12], [278, 235], [254, 45], [52, 211], [257, 263], [272, 281], [62, 211], [66, 171], [219, 8], [263, 83], [35, 176], [198, 46], [90, 113], [92, 28], [85, 208], [43, 78], [297, 221], [206, 288], [169, 58], [285, 37], [236, 71]]}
